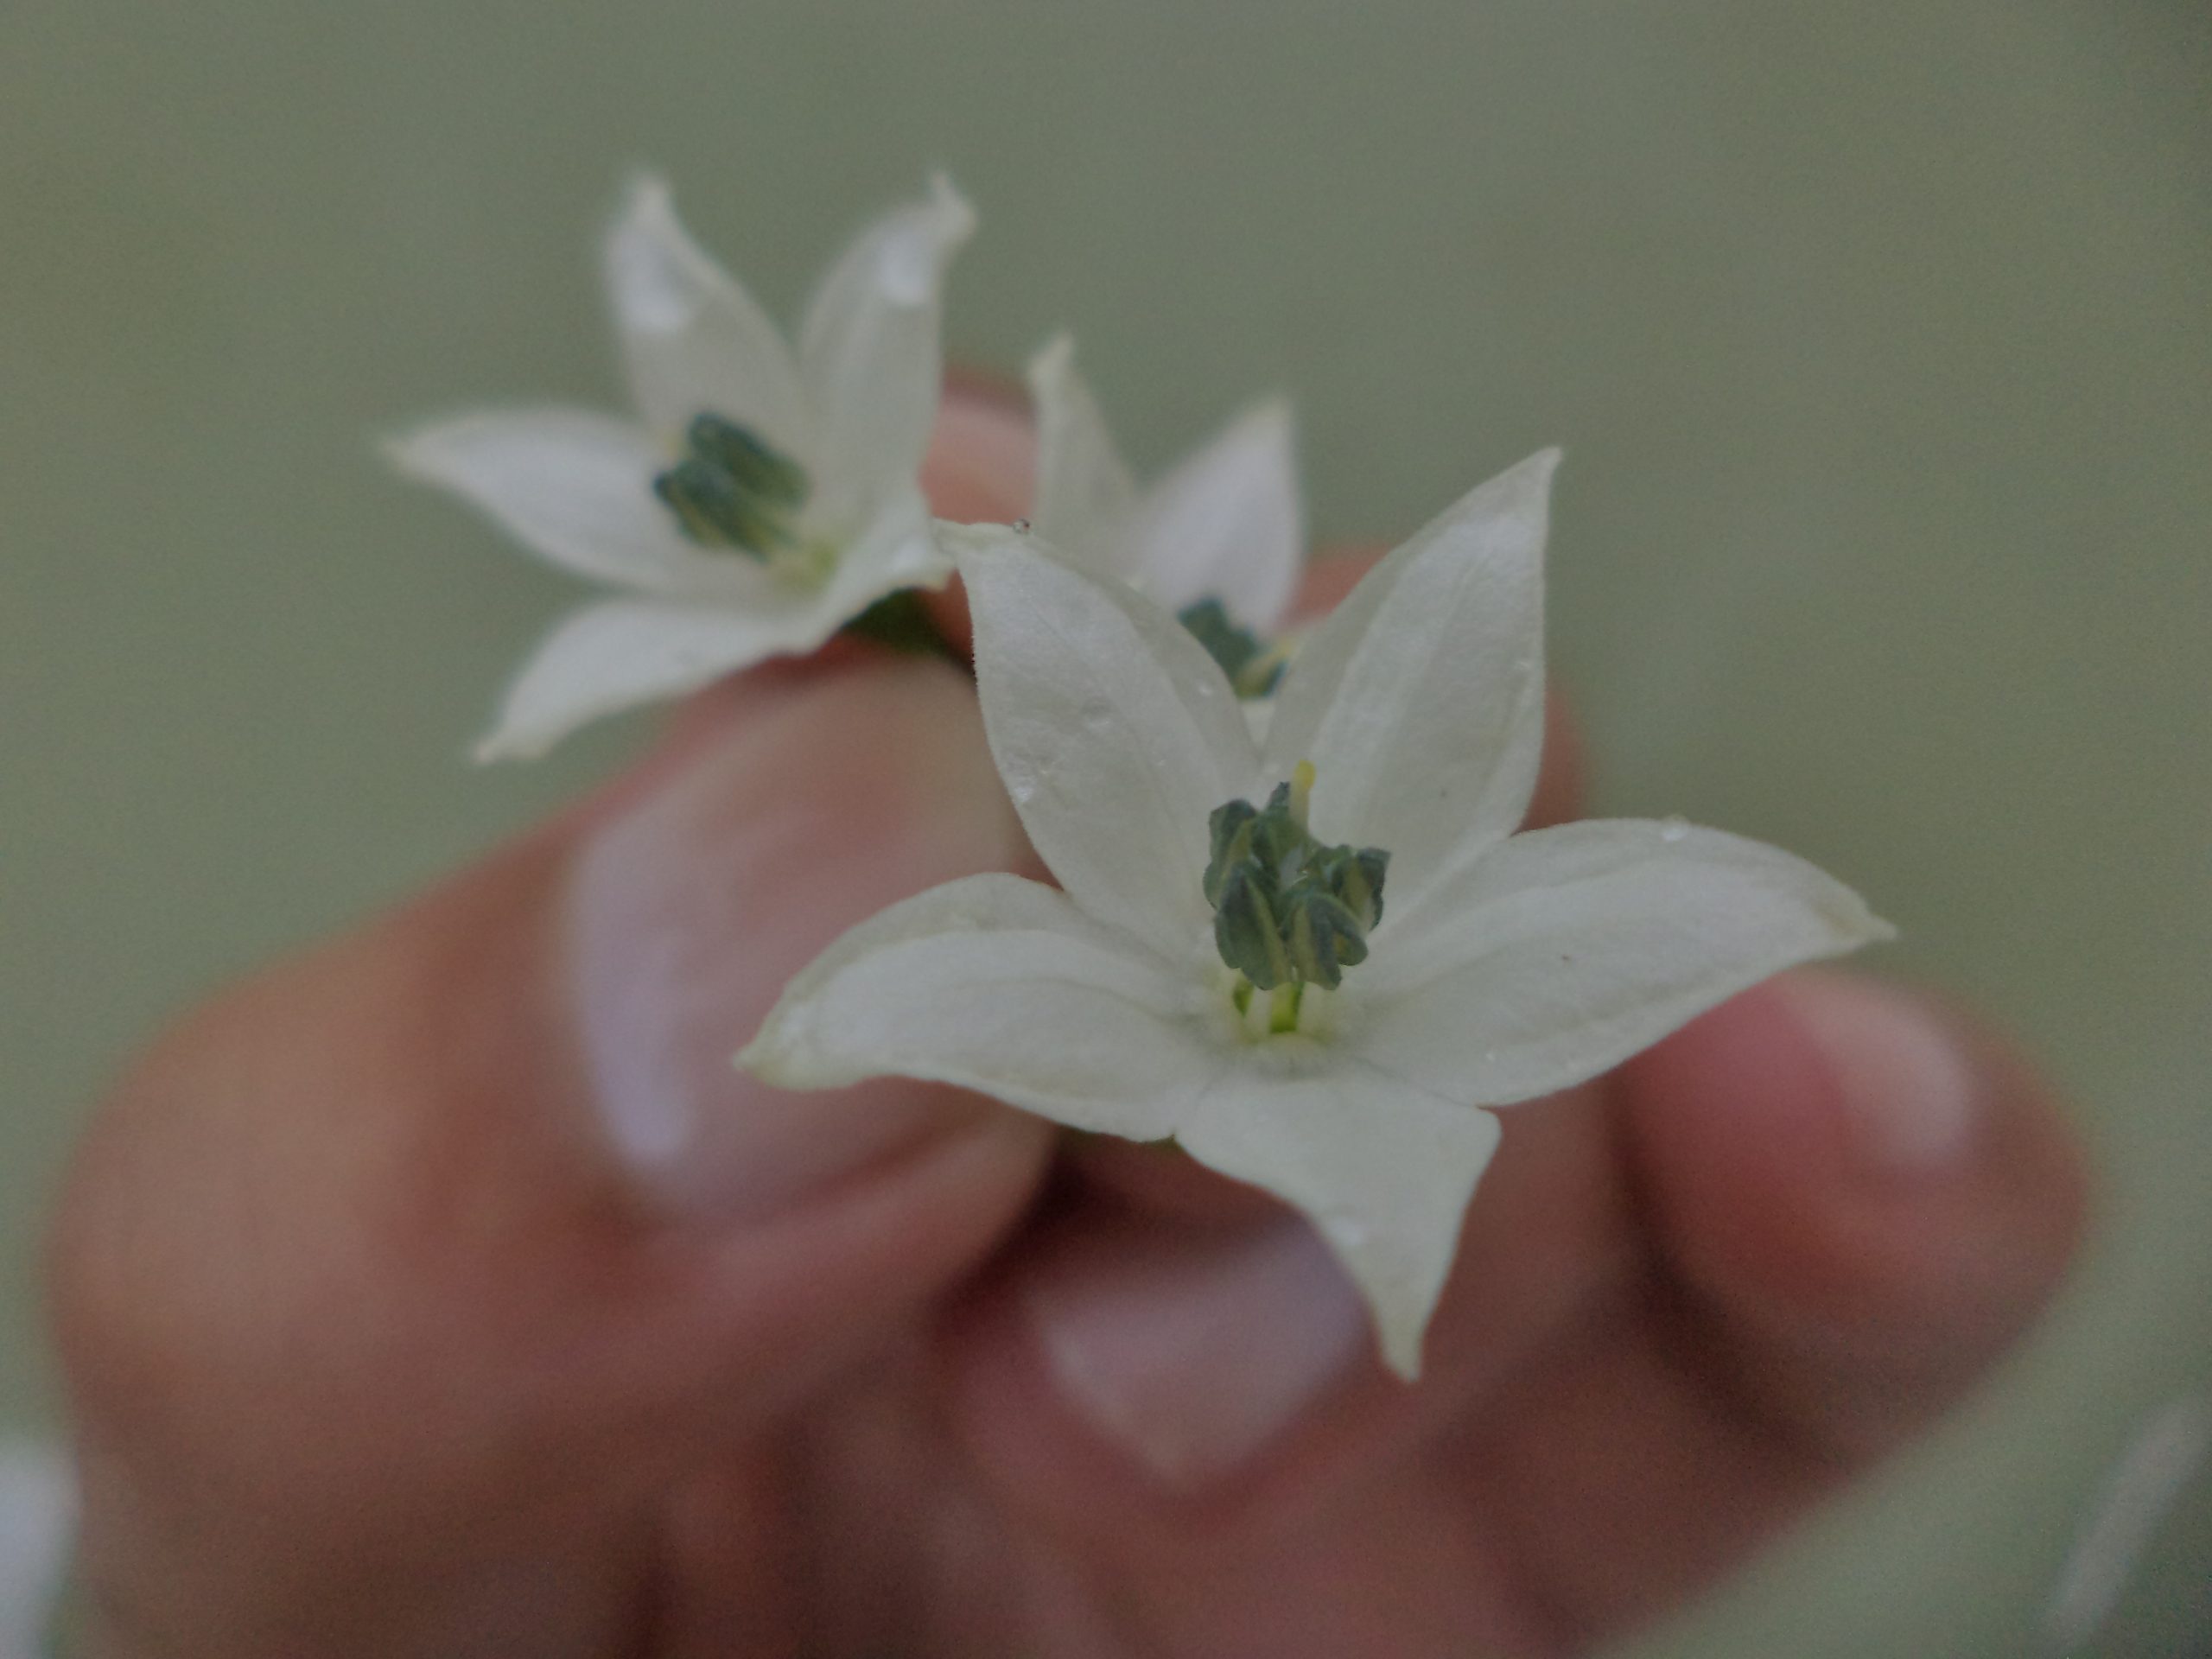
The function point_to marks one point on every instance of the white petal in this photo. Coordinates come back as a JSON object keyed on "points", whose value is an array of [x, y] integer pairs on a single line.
{"points": [[899, 550], [1227, 523], [614, 656], [1384, 1170], [1421, 700], [1001, 985], [692, 340], [1116, 734], [574, 486], [1560, 953], [869, 353], [1085, 495]]}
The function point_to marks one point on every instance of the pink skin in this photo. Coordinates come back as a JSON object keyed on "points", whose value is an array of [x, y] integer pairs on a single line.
{"points": [[379, 1343]]}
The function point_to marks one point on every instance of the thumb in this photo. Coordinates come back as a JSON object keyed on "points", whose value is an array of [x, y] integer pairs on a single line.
{"points": [[676, 923], [454, 1242]]}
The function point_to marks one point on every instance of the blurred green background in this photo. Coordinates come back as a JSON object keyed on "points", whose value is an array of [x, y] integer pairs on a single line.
{"points": [[1880, 338]]}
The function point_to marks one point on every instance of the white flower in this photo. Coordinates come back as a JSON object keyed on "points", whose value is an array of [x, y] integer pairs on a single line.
{"points": [[763, 497], [1224, 526], [1503, 967]]}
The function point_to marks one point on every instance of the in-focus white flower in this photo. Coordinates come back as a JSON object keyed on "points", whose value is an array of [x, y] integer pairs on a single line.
{"points": [[1317, 994], [1219, 540], [763, 497]]}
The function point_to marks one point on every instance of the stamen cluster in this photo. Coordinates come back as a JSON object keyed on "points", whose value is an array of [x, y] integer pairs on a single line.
{"points": [[1288, 910], [733, 489]]}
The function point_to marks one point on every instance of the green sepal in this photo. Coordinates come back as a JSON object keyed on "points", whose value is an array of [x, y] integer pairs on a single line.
{"points": [[902, 621]]}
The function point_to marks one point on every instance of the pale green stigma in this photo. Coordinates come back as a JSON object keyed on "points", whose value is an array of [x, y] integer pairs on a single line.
{"points": [[732, 489], [1288, 912], [1252, 665]]}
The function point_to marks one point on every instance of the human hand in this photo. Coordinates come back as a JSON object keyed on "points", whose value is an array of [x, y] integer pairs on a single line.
{"points": [[446, 1292]]}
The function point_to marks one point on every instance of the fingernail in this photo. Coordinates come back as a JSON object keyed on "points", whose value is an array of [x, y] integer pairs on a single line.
{"points": [[1907, 1088], [1194, 1351], [817, 802]]}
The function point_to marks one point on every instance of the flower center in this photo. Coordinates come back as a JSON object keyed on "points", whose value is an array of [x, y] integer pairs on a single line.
{"points": [[1288, 912], [733, 489], [1252, 663]]}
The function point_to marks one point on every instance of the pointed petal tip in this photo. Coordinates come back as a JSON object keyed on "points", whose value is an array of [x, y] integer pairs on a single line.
{"points": [[1271, 414], [1534, 473], [643, 190], [1269, 421], [1400, 1351], [1855, 924], [645, 212], [422, 455], [781, 1056], [956, 214], [504, 744], [402, 452], [758, 1059], [1049, 363]]}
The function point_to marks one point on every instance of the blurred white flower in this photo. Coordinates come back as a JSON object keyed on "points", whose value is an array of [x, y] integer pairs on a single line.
{"points": [[2167, 1450], [1219, 540], [38, 1509], [763, 497], [1234, 974]]}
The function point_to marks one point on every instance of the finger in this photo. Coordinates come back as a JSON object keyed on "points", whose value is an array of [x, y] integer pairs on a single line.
{"points": [[1171, 1343], [1182, 1400], [1690, 1300], [980, 469], [1854, 1204], [385, 1260], [1866, 1196]]}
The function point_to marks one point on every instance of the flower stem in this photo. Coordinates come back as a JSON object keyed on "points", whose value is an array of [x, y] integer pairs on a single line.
{"points": [[903, 623], [1282, 1006]]}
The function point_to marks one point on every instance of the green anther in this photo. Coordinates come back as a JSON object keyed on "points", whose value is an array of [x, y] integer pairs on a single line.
{"points": [[1247, 933], [758, 468], [732, 490], [1326, 937], [1253, 666], [1230, 826], [1288, 911]]}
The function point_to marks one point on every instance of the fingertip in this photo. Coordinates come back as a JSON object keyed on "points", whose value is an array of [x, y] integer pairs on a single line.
{"points": [[813, 805], [1866, 1194], [982, 461], [1559, 779], [1328, 577]]}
